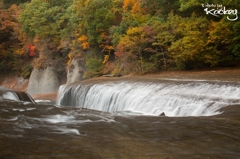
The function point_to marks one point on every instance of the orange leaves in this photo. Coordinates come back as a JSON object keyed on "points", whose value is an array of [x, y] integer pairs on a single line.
{"points": [[127, 4], [85, 45], [131, 5], [5, 20], [84, 42], [136, 8], [83, 38]]}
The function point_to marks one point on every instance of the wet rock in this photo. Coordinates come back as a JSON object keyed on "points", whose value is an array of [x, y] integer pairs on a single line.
{"points": [[162, 114]]}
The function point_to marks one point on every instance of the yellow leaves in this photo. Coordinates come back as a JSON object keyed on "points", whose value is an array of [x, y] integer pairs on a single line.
{"points": [[108, 49], [105, 59], [84, 42], [134, 31], [20, 51], [70, 56]]}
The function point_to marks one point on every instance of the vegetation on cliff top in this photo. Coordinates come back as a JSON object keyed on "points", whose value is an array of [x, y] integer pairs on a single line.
{"points": [[117, 36]]}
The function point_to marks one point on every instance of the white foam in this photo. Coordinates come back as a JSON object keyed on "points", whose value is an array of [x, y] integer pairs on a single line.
{"points": [[173, 98], [65, 130], [21, 110], [10, 96], [42, 101], [13, 119], [59, 118]]}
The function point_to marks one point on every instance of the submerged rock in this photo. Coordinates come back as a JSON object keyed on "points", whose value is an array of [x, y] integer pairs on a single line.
{"points": [[162, 114]]}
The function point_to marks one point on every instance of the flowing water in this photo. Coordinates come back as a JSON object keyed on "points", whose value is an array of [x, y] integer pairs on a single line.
{"points": [[126, 119], [185, 98]]}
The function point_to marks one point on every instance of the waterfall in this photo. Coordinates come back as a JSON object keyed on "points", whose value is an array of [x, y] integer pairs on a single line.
{"points": [[174, 98], [8, 94]]}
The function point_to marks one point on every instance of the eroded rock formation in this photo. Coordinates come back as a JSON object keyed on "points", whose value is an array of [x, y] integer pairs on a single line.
{"points": [[76, 69], [43, 81]]}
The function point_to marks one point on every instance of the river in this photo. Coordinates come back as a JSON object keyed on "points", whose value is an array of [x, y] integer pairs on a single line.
{"points": [[126, 119]]}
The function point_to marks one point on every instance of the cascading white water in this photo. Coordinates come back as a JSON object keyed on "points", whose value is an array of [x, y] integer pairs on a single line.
{"points": [[152, 98], [10, 96]]}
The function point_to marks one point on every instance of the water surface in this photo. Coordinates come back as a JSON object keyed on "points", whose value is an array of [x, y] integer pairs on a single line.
{"points": [[47, 131]]}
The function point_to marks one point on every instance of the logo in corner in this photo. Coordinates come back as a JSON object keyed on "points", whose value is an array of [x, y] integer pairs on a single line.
{"points": [[218, 9]]}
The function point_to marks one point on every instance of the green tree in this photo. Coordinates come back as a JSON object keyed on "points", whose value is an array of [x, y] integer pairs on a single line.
{"points": [[50, 24], [164, 39], [189, 49], [45, 19], [225, 37], [96, 19]]}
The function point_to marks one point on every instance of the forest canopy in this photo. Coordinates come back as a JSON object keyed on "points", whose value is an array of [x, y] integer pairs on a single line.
{"points": [[119, 36]]}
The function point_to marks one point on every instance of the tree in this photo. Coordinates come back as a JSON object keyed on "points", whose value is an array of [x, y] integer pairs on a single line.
{"points": [[6, 31], [225, 37], [96, 19], [12, 52], [135, 48], [45, 19], [159, 7], [189, 49], [164, 39], [50, 24]]}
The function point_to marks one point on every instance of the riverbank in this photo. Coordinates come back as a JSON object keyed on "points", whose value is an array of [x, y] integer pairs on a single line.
{"points": [[220, 74]]}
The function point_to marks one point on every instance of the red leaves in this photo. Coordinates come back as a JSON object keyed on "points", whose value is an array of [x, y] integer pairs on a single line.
{"points": [[32, 50]]}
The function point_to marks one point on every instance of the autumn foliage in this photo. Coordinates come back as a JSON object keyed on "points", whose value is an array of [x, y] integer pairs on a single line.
{"points": [[120, 36], [32, 50]]}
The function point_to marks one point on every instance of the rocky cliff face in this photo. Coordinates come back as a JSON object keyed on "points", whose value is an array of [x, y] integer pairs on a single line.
{"points": [[76, 70], [43, 81]]}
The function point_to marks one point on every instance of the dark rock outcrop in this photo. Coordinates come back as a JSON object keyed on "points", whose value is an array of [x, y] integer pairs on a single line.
{"points": [[162, 114]]}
